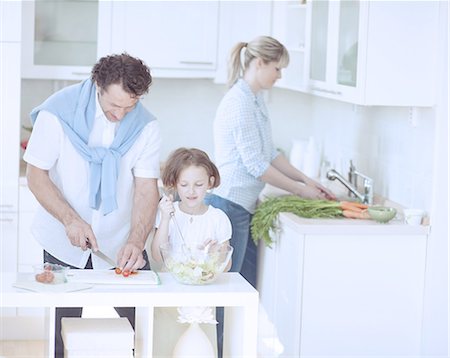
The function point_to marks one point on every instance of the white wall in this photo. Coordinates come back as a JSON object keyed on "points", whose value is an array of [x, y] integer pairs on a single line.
{"points": [[382, 141]]}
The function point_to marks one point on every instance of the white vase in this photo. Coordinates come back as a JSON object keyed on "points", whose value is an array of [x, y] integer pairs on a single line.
{"points": [[193, 343]]}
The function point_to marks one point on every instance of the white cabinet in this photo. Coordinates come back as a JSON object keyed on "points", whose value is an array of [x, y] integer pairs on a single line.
{"points": [[330, 294], [239, 21], [9, 124], [10, 16], [64, 39], [174, 38], [290, 26], [374, 52], [29, 251], [362, 295]]}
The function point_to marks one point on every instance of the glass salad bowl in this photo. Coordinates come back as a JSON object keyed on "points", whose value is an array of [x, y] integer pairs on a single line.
{"points": [[196, 266]]}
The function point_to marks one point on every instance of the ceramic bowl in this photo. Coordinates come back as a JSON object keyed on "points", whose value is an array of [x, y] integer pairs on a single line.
{"points": [[196, 266], [50, 273], [382, 214]]}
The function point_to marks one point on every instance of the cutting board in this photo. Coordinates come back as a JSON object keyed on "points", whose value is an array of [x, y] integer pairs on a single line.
{"points": [[109, 277]]}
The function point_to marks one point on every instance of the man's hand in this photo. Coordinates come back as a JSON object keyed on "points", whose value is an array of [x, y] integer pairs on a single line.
{"points": [[130, 257], [81, 235]]}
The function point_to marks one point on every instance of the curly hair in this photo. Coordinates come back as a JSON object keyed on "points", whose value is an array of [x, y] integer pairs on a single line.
{"points": [[182, 158], [131, 72]]}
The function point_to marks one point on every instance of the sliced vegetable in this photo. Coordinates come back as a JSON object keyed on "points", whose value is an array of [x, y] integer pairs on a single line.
{"points": [[118, 270]]}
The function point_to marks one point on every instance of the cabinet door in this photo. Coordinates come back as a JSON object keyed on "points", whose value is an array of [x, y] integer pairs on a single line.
{"points": [[10, 16], [29, 251], [280, 286], [61, 38], [368, 52], [9, 124], [362, 295], [235, 26], [290, 26], [174, 38]]}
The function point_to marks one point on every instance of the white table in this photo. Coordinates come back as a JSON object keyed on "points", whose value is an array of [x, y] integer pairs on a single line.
{"points": [[231, 291]]}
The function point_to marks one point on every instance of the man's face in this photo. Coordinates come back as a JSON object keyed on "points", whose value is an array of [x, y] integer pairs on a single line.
{"points": [[115, 102]]}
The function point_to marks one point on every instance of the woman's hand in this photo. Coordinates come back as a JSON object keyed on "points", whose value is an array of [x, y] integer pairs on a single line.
{"points": [[315, 190]]}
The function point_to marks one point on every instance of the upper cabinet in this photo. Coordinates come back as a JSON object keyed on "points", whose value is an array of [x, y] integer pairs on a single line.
{"points": [[374, 53], [291, 26], [63, 39], [174, 38], [239, 21]]}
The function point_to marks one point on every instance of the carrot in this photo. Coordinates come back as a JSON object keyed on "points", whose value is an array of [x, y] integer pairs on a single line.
{"points": [[363, 214], [353, 206]]}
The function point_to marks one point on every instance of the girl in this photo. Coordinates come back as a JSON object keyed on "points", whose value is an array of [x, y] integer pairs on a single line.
{"points": [[189, 173]]}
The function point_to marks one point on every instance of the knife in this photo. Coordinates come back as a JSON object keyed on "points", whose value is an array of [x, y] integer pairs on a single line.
{"points": [[101, 255]]}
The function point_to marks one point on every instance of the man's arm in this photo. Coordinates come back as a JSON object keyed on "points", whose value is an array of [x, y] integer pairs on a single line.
{"points": [[50, 197], [145, 203]]}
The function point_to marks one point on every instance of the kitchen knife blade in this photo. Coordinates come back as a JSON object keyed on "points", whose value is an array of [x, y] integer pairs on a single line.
{"points": [[101, 255]]}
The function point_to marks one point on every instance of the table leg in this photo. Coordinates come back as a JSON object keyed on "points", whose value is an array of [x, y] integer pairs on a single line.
{"points": [[49, 324], [143, 340], [240, 330]]}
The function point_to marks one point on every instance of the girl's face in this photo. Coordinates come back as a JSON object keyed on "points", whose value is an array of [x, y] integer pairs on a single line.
{"points": [[192, 185], [267, 74]]}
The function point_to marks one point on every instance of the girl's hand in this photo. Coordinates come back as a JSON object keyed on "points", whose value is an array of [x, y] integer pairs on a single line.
{"points": [[166, 207], [209, 245]]}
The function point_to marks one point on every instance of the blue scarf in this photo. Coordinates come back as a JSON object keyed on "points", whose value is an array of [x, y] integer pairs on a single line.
{"points": [[75, 107]]}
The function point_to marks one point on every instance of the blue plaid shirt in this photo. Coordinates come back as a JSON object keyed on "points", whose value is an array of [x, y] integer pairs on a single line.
{"points": [[242, 144]]}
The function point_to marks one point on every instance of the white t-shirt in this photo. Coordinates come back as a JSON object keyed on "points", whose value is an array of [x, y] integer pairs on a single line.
{"points": [[196, 229], [49, 148]]}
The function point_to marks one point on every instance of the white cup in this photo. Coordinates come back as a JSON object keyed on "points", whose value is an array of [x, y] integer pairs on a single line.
{"points": [[413, 216]]}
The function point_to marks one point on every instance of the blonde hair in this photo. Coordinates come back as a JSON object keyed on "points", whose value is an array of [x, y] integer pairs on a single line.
{"points": [[264, 47]]}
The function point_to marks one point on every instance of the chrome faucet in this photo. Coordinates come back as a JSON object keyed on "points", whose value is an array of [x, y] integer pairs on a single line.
{"points": [[351, 184]]}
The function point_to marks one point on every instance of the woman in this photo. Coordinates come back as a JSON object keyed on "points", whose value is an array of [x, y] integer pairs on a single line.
{"points": [[244, 152]]}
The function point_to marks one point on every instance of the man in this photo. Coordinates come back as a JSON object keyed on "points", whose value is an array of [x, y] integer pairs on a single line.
{"points": [[93, 165]]}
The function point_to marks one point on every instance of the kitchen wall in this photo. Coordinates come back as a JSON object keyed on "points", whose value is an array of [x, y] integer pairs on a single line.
{"points": [[393, 145]]}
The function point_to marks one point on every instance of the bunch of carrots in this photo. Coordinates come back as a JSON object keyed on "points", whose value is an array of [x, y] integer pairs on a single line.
{"points": [[264, 219]]}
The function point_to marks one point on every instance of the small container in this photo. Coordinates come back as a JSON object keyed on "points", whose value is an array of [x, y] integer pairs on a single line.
{"points": [[413, 216], [50, 273], [381, 214]]}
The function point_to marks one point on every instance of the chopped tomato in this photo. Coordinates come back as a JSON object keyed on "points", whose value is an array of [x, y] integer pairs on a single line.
{"points": [[126, 273]]}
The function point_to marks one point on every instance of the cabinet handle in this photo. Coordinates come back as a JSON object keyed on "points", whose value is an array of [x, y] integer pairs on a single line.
{"points": [[6, 206], [81, 73], [324, 90], [6, 220], [196, 63]]}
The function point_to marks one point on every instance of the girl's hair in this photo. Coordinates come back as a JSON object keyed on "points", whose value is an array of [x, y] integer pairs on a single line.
{"points": [[182, 158], [264, 47], [130, 72]]}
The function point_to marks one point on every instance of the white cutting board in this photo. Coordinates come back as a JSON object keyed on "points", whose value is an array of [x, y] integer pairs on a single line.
{"points": [[109, 277]]}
